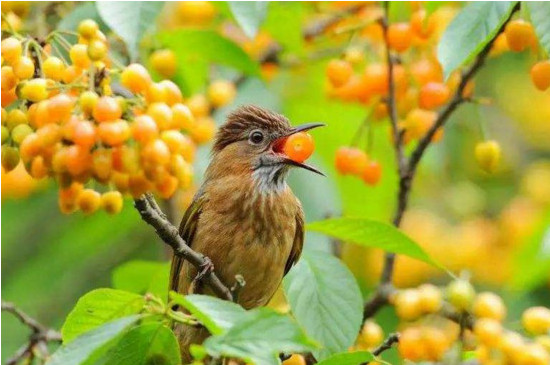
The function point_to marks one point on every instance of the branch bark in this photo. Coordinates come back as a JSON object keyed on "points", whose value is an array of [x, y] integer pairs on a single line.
{"points": [[38, 339], [153, 215], [407, 167]]}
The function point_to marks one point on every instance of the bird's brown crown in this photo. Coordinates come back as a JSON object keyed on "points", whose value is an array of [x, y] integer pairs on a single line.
{"points": [[245, 119]]}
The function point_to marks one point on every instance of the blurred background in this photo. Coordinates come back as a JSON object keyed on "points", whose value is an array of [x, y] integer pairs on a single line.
{"points": [[496, 227]]}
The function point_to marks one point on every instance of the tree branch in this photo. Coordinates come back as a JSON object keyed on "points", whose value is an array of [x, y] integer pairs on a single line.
{"points": [[153, 215], [407, 167], [38, 339]]}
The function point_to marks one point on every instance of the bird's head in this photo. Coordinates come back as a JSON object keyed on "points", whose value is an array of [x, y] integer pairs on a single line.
{"points": [[252, 140]]}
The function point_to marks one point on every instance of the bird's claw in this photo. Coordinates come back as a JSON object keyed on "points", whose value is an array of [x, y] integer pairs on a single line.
{"points": [[205, 269]]}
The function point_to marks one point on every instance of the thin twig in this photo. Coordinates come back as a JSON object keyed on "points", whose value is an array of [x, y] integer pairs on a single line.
{"points": [[407, 167], [153, 215], [38, 339]]}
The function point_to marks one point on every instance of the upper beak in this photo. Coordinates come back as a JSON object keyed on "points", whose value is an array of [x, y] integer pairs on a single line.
{"points": [[279, 142]]}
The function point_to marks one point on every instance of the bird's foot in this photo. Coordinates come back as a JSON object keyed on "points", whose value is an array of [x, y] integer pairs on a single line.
{"points": [[204, 269]]}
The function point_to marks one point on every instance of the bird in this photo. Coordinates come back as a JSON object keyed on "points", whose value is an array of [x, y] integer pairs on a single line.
{"points": [[244, 217]]}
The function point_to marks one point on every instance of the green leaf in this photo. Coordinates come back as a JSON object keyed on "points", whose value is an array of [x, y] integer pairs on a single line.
{"points": [[83, 347], [326, 301], [130, 20], [143, 277], [374, 234], [260, 338], [540, 16], [98, 307], [284, 23], [249, 15], [197, 49], [532, 260], [146, 344], [215, 314], [470, 31], [348, 358], [79, 13]]}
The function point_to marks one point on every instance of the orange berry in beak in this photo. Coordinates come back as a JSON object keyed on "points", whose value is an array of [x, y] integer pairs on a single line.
{"points": [[299, 146]]}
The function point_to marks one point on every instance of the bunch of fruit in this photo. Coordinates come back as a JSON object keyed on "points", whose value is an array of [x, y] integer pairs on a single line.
{"points": [[493, 343], [419, 86], [354, 161], [63, 121]]}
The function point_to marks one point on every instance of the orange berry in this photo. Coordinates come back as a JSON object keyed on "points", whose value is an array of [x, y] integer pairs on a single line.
{"points": [[60, 107], [53, 68], [433, 95], [11, 49], [79, 56], [540, 75], [407, 304], [9, 80], [161, 114], [350, 160], [488, 155], [106, 109], [182, 170], [203, 130], [136, 78], [431, 298], [411, 345], [178, 143], [195, 12], [164, 62], [49, 135], [77, 160], [68, 197], [460, 294], [372, 173], [488, 331], [221, 92], [102, 163], [424, 71], [489, 305], [88, 201], [8, 97], [519, 35], [138, 185], [84, 134], [30, 147], [182, 117], [39, 170], [167, 186], [339, 72], [112, 202], [435, 343], [536, 320], [399, 36], [156, 93], [24, 68], [371, 335], [121, 181], [156, 152], [173, 93], [299, 146], [114, 133], [422, 24], [144, 129], [71, 73]]}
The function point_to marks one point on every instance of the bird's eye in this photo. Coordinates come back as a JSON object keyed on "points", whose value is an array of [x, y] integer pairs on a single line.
{"points": [[256, 137]]}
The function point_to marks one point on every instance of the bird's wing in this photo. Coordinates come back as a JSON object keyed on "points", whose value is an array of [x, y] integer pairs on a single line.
{"points": [[298, 243], [187, 230]]}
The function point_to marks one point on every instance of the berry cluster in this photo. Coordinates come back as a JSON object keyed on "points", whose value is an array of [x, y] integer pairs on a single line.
{"points": [[354, 161], [63, 121], [420, 89], [429, 340]]}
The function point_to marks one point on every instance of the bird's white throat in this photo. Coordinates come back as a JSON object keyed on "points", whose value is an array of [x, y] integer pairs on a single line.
{"points": [[270, 178]]}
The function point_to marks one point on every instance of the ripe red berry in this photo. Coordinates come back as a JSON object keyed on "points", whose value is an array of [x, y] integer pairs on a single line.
{"points": [[299, 146]]}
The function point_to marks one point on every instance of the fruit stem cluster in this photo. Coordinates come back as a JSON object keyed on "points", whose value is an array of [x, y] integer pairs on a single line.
{"points": [[407, 166]]}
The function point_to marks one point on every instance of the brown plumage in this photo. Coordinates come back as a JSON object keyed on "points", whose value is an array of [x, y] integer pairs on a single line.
{"points": [[244, 217]]}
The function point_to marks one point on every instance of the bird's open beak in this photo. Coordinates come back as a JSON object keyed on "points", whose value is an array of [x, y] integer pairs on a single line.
{"points": [[279, 143]]}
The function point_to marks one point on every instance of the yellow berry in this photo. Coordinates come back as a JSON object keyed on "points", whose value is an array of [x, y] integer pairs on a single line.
{"points": [[24, 68], [460, 294], [488, 155], [53, 68], [221, 92], [164, 62], [87, 28], [489, 305], [536, 320], [407, 304], [430, 298], [34, 90]]}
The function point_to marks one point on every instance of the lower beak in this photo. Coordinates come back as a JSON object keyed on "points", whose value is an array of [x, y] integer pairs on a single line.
{"points": [[301, 128]]}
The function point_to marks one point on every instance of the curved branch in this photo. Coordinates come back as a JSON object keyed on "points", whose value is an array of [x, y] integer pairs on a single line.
{"points": [[153, 215]]}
